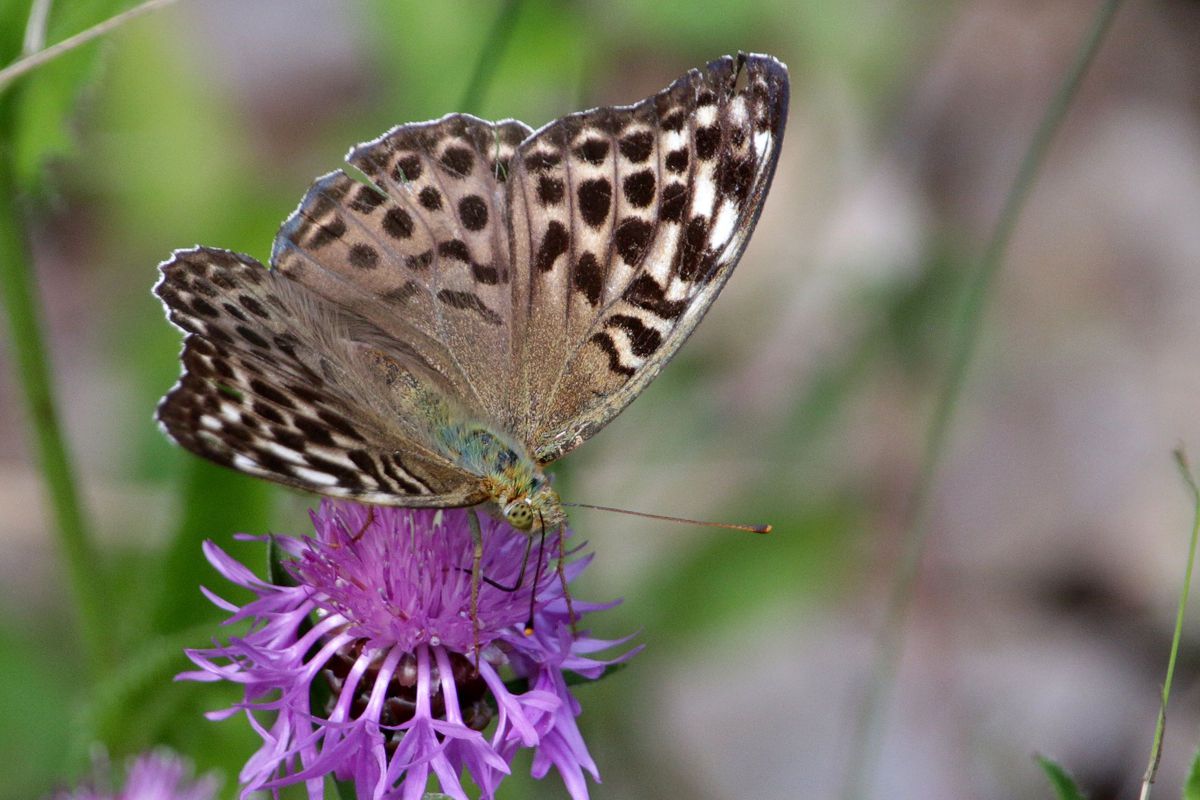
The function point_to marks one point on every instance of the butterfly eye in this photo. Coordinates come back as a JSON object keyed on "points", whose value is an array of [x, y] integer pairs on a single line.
{"points": [[519, 515]]}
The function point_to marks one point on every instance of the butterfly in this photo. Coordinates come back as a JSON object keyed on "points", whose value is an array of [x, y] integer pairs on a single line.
{"points": [[474, 299]]}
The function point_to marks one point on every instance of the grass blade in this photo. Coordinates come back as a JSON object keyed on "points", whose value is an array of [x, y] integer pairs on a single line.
{"points": [[864, 750]]}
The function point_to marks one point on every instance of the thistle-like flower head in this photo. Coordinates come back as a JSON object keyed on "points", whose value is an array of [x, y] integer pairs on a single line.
{"points": [[363, 666]]}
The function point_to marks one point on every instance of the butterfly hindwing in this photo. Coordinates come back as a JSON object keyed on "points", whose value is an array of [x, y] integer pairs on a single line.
{"points": [[274, 384], [629, 220]]}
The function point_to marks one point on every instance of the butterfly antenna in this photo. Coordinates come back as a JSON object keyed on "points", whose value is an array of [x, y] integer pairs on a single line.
{"points": [[733, 526]]}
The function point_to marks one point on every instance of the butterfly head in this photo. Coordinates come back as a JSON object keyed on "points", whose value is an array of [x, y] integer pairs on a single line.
{"points": [[520, 514], [535, 512]]}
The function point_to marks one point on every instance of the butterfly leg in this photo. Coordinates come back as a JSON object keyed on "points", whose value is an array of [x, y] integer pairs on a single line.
{"points": [[476, 572], [520, 575], [366, 524], [562, 578], [537, 578]]}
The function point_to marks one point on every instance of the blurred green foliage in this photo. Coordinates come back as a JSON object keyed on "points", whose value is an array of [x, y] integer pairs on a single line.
{"points": [[1062, 782]]}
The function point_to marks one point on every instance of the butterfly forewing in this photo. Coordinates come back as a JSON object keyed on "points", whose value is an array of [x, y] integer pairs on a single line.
{"points": [[426, 243], [631, 220], [276, 385]]}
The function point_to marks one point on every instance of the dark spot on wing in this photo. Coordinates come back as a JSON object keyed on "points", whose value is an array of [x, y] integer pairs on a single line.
{"points": [[252, 336], [364, 256], [674, 201], [593, 151], [485, 273], [458, 161], [205, 308], [455, 248], [632, 236], [398, 223], [542, 160], [407, 168], [366, 200], [677, 160], [707, 141], [550, 190], [252, 305], [553, 245], [645, 293], [431, 198], [473, 212], [605, 341], [595, 198], [674, 121], [637, 146], [420, 261], [268, 392], [643, 340], [639, 188], [588, 278]]}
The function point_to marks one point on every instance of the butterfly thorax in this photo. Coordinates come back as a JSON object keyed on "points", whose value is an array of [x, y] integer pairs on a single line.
{"points": [[511, 478]]}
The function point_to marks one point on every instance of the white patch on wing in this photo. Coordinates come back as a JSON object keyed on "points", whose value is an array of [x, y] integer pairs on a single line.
{"points": [[313, 476], [658, 259], [337, 457], [723, 226], [762, 143], [673, 140], [246, 464], [283, 452], [704, 194], [737, 110]]}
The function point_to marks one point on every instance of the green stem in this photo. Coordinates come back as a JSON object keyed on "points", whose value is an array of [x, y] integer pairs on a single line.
{"points": [[493, 48], [31, 362], [1159, 726], [864, 750], [35, 27], [34, 60]]}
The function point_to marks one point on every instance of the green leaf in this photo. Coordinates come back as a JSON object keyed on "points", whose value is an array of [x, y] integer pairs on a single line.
{"points": [[1191, 786], [49, 97], [277, 573], [216, 504], [1064, 785]]}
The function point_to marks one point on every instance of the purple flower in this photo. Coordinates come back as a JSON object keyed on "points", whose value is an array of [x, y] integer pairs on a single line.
{"points": [[365, 669], [160, 775]]}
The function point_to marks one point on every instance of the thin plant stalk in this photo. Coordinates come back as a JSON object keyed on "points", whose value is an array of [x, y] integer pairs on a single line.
{"points": [[493, 48], [32, 61], [865, 746], [31, 360], [1160, 725], [28, 347], [35, 28]]}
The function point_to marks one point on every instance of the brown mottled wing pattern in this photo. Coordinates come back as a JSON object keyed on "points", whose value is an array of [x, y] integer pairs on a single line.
{"points": [[282, 384], [630, 220], [423, 251], [533, 281]]}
